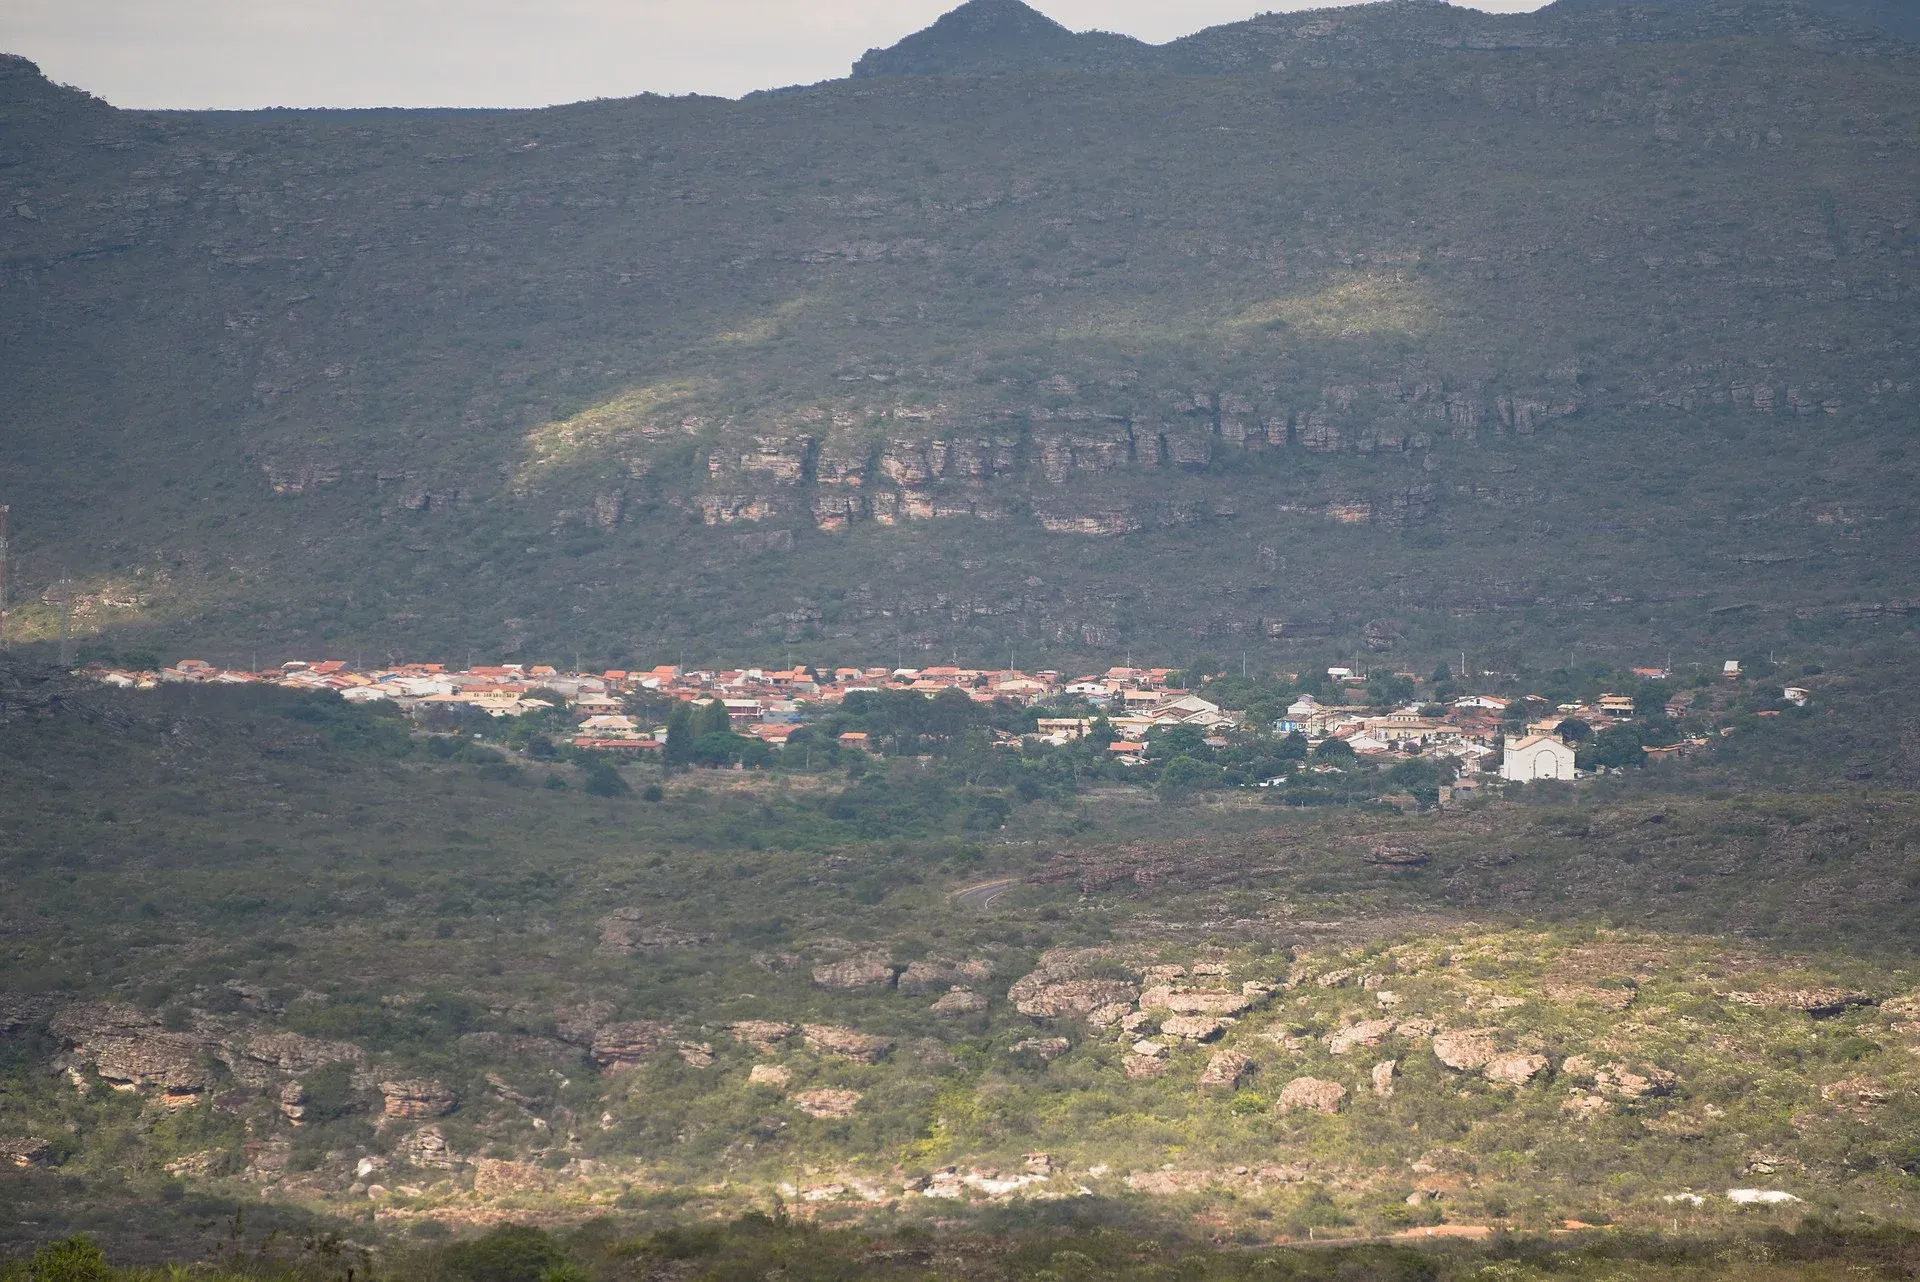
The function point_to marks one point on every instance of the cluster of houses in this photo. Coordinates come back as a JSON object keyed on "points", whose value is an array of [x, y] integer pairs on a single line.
{"points": [[770, 704]]}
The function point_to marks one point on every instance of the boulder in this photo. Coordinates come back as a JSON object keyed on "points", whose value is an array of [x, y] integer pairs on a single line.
{"points": [[958, 1003], [1368, 1033], [1069, 998], [831, 1039], [762, 1034], [1192, 1028], [1383, 1074], [1514, 1069], [773, 1075], [1044, 1049], [696, 1054], [1109, 1016], [1579, 1066], [1225, 1071], [417, 1099], [855, 974], [618, 1047], [827, 1103], [1312, 1095], [1582, 1104], [1464, 1049], [1150, 1049]]}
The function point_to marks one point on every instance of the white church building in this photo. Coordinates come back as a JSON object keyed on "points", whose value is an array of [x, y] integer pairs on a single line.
{"points": [[1540, 756]]}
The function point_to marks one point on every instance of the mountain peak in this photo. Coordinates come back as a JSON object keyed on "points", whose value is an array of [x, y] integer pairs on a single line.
{"points": [[985, 36]]}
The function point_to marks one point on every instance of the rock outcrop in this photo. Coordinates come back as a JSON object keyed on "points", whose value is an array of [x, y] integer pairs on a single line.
{"points": [[932, 975], [1041, 999], [774, 1075], [1382, 1077], [260, 1058], [855, 974], [1368, 1033], [1465, 1049], [416, 1099], [1225, 1071], [826, 1103], [1819, 1002], [1042, 1049], [959, 1003], [1192, 1028], [1196, 1001], [618, 1047], [130, 1050], [1514, 1069], [831, 1039], [427, 1148], [626, 932], [23, 1151], [1313, 1095], [764, 1035]]}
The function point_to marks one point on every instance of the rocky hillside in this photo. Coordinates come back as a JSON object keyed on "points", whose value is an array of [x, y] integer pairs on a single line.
{"points": [[1458, 341]]}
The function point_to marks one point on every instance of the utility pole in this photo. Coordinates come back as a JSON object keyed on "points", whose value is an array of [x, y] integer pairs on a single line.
{"points": [[5, 642], [66, 620]]}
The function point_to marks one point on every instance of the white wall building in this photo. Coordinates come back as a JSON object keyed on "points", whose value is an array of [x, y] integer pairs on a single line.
{"points": [[1537, 757]]}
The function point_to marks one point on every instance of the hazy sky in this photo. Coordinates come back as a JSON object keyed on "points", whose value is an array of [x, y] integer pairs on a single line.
{"points": [[362, 53]]}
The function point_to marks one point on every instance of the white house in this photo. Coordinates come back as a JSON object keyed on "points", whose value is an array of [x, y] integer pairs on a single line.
{"points": [[1537, 757]]}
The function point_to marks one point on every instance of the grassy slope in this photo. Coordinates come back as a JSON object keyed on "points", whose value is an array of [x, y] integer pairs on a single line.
{"points": [[167, 849]]}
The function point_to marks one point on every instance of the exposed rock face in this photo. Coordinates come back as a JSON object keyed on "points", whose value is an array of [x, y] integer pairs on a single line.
{"points": [[1312, 1094], [25, 1150], [1225, 1071], [1367, 1033], [1111, 1016], [773, 1075], [622, 1046], [427, 1148], [1464, 1049], [1039, 999], [293, 1102], [1192, 1028], [695, 1054], [627, 931], [417, 1099], [958, 1003], [1196, 1001], [763, 1035], [831, 1039], [854, 974], [1383, 1074], [1516, 1069], [1043, 1049], [827, 1103], [1584, 1105], [932, 975], [131, 1050]]}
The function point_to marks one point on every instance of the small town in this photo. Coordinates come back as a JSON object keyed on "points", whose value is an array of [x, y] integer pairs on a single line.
{"points": [[1139, 715]]}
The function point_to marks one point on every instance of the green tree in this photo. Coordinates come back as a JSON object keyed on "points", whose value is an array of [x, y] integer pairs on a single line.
{"points": [[604, 781], [1650, 700], [76, 1259], [680, 736], [1573, 731], [1335, 750], [510, 1253], [711, 718]]}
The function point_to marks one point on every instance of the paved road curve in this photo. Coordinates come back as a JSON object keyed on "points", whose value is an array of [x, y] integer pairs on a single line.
{"points": [[986, 894]]}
